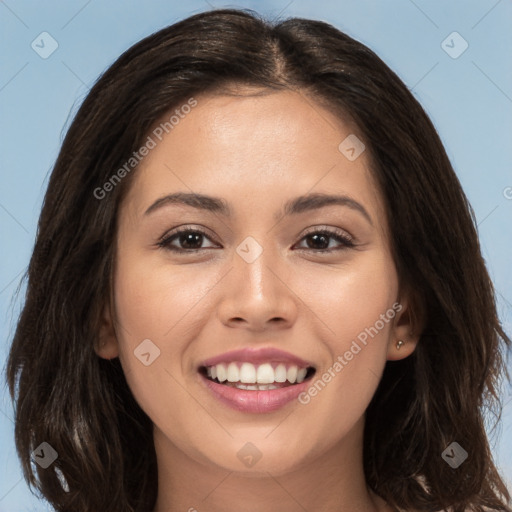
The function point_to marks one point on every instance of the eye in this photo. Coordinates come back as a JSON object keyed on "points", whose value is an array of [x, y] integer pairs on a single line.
{"points": [[319, 239], [189, 239]]}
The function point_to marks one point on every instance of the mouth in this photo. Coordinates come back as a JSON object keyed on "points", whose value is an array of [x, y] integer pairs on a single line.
{"points": [[257, 381], [257, 377]]}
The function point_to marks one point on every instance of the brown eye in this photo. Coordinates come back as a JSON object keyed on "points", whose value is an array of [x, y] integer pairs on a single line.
{"points": [[320, 240], [188, 240]]}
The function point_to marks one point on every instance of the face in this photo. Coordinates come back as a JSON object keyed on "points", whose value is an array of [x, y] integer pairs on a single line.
{"points": [[251, 290]]}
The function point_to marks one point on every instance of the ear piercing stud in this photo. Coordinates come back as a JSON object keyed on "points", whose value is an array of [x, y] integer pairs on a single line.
{"points": [[399, 344]]}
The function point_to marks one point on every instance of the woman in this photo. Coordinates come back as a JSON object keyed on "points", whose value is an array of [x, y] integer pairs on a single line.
{"points": [[333, 346]]}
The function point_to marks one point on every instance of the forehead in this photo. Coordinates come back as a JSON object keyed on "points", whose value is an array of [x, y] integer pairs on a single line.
{"points": [[254, 147]]}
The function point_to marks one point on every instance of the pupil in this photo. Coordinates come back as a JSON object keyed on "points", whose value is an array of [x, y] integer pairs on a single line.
{"points": [[188, 239], [317, 237]]}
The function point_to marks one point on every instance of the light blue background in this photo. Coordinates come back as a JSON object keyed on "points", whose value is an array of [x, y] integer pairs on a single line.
{"points": [[469, 100]]}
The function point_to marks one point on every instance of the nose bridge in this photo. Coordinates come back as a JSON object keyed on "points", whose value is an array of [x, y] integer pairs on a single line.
{"points": [[257, 293], [256, 266]]}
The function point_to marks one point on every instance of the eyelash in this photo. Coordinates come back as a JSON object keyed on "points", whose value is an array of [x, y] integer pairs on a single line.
{"points": [[338, 235]]}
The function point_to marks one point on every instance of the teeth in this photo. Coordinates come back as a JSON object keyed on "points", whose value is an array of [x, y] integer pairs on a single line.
{"points": [[221, 373], [233, 373], [263, 374], [301, 375], [280, 373], [291, 374], [247, 373], [253, 387]]}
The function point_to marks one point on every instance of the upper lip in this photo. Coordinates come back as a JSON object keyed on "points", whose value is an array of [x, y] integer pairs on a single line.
{"points": [[257, 356]]}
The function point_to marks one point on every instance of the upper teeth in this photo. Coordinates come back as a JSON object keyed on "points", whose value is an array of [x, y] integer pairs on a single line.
{"points": [[262, 374]]}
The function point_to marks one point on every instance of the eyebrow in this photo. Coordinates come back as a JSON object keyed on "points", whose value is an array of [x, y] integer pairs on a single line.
{"points": [[294, 206]]}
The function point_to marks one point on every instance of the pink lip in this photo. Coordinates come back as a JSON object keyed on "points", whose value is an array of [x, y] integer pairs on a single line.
{"points": [[257, 356], [255, 401]]}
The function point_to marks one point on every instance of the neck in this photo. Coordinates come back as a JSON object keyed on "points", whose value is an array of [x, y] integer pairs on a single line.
{"points": [[332, 482]]}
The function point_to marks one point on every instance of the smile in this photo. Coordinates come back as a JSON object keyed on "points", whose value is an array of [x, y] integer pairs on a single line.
{"points": [[256, 380], [257, 377]]}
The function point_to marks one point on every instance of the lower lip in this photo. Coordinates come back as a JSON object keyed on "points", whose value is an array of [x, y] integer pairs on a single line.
{"points": [[255, 401]]}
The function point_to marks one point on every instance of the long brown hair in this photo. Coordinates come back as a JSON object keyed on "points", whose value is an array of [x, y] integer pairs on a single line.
{"points": [[81, 405]]}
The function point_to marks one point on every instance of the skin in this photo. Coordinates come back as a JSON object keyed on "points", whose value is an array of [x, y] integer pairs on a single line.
{"points": [[255, 152]]}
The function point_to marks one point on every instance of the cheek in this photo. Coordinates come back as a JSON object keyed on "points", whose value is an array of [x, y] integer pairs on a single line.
{"points": [[156, 304], [148, 311], [357, 307], [351, 300], [153, 301], [362, 300]]}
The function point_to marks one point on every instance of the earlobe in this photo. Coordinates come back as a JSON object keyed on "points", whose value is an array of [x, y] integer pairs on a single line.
{"points": [[402, 348], [107, 346], [406, 331]]}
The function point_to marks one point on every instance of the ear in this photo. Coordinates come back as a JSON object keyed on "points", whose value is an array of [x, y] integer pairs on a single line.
{"points": [[407, 327], [107, 346]]}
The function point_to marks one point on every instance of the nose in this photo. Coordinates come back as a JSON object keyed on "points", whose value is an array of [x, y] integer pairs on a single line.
{"points": [[258, 295]]}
